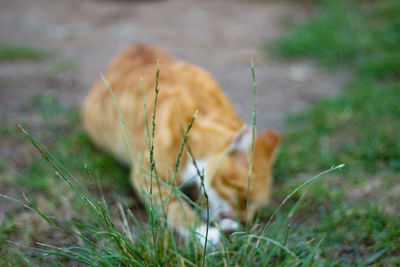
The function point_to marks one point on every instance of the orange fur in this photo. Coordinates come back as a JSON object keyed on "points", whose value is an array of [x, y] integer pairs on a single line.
{"points": [[184, 89]]}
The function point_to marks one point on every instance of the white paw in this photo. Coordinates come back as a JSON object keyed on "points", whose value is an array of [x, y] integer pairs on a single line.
{"points": [[213, 236], [228, 225]]}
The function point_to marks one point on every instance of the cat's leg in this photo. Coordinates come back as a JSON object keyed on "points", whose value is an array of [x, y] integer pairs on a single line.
{"points": [[179, 215]]}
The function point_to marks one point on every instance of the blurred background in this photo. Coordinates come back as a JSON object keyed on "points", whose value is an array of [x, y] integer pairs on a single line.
{"points": [[327, 78], [220, 36]]}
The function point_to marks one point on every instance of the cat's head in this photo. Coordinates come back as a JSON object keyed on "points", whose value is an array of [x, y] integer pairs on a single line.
{"points": [[228, 187]]}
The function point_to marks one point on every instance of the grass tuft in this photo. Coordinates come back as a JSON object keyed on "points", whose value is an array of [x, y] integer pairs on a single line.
{"points": [[19, 53], [101, 233], [360, 127]]}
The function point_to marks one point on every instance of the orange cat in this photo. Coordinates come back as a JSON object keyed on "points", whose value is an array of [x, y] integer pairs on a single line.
{"points": [[219, 140]]}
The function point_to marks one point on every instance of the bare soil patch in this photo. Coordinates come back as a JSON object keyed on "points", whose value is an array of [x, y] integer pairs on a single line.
{"points": [[82, 36], [220, 36]]}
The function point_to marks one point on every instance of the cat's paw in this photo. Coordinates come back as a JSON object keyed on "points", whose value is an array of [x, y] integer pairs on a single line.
{"points": [[213, 237], [228, 226]]}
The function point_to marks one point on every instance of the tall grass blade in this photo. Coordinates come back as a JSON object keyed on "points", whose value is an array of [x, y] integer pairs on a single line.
{"points": [[122, 120], [275, 243], [307, 261], [253, 132], [297, 189]]}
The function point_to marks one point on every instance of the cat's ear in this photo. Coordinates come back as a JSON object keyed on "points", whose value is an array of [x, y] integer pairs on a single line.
{"points": [[242, 142], [270, 141]]}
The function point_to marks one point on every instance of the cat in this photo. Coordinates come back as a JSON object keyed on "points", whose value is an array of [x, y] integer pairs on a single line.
{"points": [[220, 142]]}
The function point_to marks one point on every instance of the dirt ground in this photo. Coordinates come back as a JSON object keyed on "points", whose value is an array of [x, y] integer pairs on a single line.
{"points": [[219, 35], [82, 36]]}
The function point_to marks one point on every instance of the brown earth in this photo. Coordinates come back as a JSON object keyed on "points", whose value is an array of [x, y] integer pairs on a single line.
{"points": [[82, 36], [219, 35]]}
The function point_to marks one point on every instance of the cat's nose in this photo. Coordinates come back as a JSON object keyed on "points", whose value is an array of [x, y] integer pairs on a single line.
{"points": [[227, 215]]}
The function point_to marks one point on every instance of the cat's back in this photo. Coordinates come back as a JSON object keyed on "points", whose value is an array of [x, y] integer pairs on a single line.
{"points": [[184, 89], [135, 69]]}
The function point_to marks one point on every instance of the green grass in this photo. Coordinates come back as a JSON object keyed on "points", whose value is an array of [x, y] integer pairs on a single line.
{"points": [[18, 53], [74, 149], [107, 234], [359, 127], [96, 240], [102, 234], [360, 33], [349, 218]]}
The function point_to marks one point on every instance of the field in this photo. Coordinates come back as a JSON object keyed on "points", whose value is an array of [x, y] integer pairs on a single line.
{"points": [[347, 217]]}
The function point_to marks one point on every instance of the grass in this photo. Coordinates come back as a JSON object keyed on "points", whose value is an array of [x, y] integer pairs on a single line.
{"points": [[359, 127], [96, 240], [349, 218], [359, 33], [18, 53], [100, 234]]}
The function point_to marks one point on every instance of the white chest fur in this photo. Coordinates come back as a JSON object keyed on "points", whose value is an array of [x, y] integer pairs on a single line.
{"points": [[217, 205]]}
